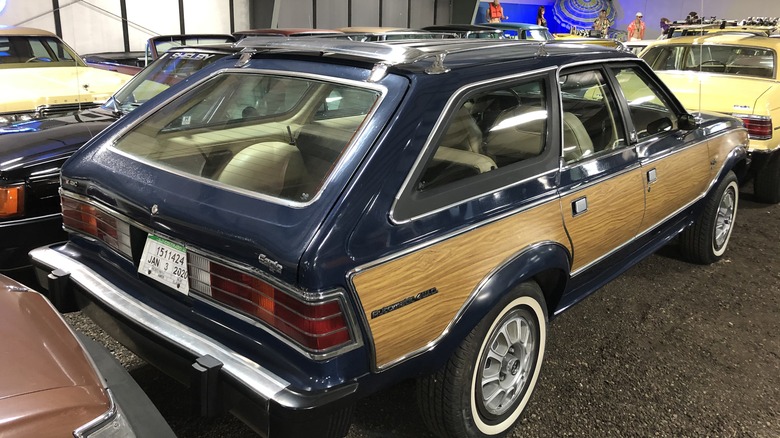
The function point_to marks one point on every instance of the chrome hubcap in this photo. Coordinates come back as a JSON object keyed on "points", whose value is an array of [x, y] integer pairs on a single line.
{"points": [[725, 218], [507, 363]]}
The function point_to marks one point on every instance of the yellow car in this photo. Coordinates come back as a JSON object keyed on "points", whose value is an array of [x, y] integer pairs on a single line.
{"points": [[43, 77], [734, 74]]}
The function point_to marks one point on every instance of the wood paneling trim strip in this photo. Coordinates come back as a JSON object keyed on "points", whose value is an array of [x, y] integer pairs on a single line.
{"points": [[454, 267]]}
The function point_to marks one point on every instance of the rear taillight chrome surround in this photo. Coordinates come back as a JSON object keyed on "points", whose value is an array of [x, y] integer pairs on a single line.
{"points": [[759, 127], [96, 222], [319, 325]]}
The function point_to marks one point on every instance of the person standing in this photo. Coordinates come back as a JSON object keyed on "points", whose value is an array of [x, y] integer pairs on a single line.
{"points": [[540, 20], [636, 30], [495, 13], [665, 24], [602, 24]]}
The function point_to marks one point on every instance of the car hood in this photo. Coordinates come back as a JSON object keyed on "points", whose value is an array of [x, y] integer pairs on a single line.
{"points": [[721, 93], [58, 139], [37, 86], [41, 352]]}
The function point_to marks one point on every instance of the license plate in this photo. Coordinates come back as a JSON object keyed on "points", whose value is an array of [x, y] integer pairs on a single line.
{"points": [[166, 262]]}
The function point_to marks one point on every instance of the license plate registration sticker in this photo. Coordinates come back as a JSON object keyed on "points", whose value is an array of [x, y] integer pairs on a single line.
{"points": [[166, 262]]}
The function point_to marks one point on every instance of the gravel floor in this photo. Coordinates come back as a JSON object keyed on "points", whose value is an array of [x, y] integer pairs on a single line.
{"points": [[669, 349]]}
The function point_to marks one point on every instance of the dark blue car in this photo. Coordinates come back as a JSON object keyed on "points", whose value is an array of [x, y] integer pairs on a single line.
{"points": [[313, 220]]}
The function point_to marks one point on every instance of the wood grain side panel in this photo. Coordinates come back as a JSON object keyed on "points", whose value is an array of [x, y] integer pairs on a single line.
{"points": [[454, 267], [615, 208], [681, 178]]}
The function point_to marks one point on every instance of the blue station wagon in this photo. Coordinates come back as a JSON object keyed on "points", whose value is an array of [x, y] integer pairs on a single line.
{"points": [[312, 220]]}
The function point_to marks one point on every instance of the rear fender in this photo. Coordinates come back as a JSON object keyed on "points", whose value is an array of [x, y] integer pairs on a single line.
{"points": [[547, 263]]}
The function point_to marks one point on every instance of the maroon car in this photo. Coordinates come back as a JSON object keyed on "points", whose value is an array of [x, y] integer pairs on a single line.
{"points": [[50, 385]]}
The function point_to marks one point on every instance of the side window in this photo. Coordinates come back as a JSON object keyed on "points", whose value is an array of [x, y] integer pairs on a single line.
{"points": [[592, 124], [490, 130], [650, 113], [39, 51]]}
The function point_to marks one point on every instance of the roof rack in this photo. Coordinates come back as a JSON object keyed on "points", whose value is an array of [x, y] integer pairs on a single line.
{"points": [[374, 52]]}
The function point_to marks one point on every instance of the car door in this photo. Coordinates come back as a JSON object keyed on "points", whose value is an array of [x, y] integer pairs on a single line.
{"points": [[675, 171], [601, 188]]}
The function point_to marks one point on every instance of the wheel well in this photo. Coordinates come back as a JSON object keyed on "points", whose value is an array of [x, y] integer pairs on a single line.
{"points": [[552, 282], [742, 170]]}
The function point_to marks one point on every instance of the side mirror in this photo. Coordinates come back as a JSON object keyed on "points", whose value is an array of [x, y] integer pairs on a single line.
{"points": [[656, 126], [687, 122]]}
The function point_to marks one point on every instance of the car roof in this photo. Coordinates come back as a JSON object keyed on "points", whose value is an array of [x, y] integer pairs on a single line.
{"points": [[228, 48], [24, 31], [512, 25], [461, 27], [432, 56], [725, 38], [288, 31], [370, 29]]}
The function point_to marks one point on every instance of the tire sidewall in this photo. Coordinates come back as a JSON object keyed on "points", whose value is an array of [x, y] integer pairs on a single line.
{"points": [[730, 183], [536, 308]]}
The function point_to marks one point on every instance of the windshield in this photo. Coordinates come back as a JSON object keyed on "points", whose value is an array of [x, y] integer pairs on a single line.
{"points": [[170, 69], [272, 135], [35, 51]]}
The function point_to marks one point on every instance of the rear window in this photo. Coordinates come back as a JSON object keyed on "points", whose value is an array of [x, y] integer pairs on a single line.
{"points": [[732, 60], [270, 135]]}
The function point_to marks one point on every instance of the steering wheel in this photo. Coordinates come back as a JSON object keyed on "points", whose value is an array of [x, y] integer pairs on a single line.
{"points": [[38, 59]]}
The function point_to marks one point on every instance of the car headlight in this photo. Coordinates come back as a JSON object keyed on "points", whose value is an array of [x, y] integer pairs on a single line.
{"points": [[11, 201], [112, 424]]}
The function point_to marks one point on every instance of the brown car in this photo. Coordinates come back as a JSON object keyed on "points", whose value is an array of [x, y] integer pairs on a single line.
{"points": [[50, 385]]}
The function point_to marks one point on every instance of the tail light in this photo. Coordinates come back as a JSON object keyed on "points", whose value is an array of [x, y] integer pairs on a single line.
{"points": [[80, 216], [317, 326], [11, 201], [759, 127]]}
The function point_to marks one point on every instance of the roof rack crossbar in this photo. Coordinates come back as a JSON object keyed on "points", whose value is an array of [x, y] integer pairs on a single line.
{"points": [[374, 52]]}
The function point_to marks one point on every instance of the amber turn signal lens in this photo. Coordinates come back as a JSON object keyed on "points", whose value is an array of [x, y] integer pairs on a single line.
{"points": [[11, 201]]}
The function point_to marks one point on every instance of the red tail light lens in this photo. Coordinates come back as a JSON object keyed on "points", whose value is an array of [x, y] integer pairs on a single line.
{"points": [[80, 216], [759, 128], [317, 326]]}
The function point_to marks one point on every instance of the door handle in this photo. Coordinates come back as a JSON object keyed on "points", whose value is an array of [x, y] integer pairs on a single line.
{"points": [[652, 176], [579, 206]]}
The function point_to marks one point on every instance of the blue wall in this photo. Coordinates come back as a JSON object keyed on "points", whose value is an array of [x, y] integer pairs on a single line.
{"points": [[523, 13]]}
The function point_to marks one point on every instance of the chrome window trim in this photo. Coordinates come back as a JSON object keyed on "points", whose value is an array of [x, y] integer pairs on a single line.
{"points": [[456, 96], [245, 371], [461, 311], [349, 149], [357, 339]]}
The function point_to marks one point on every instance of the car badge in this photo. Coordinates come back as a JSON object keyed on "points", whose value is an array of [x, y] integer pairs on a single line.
{"points": [[155, 209], [272, 265], [86, 87]]}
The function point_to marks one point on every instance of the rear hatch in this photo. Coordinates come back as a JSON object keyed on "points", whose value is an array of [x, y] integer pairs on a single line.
{"points": [[218, 192]]}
